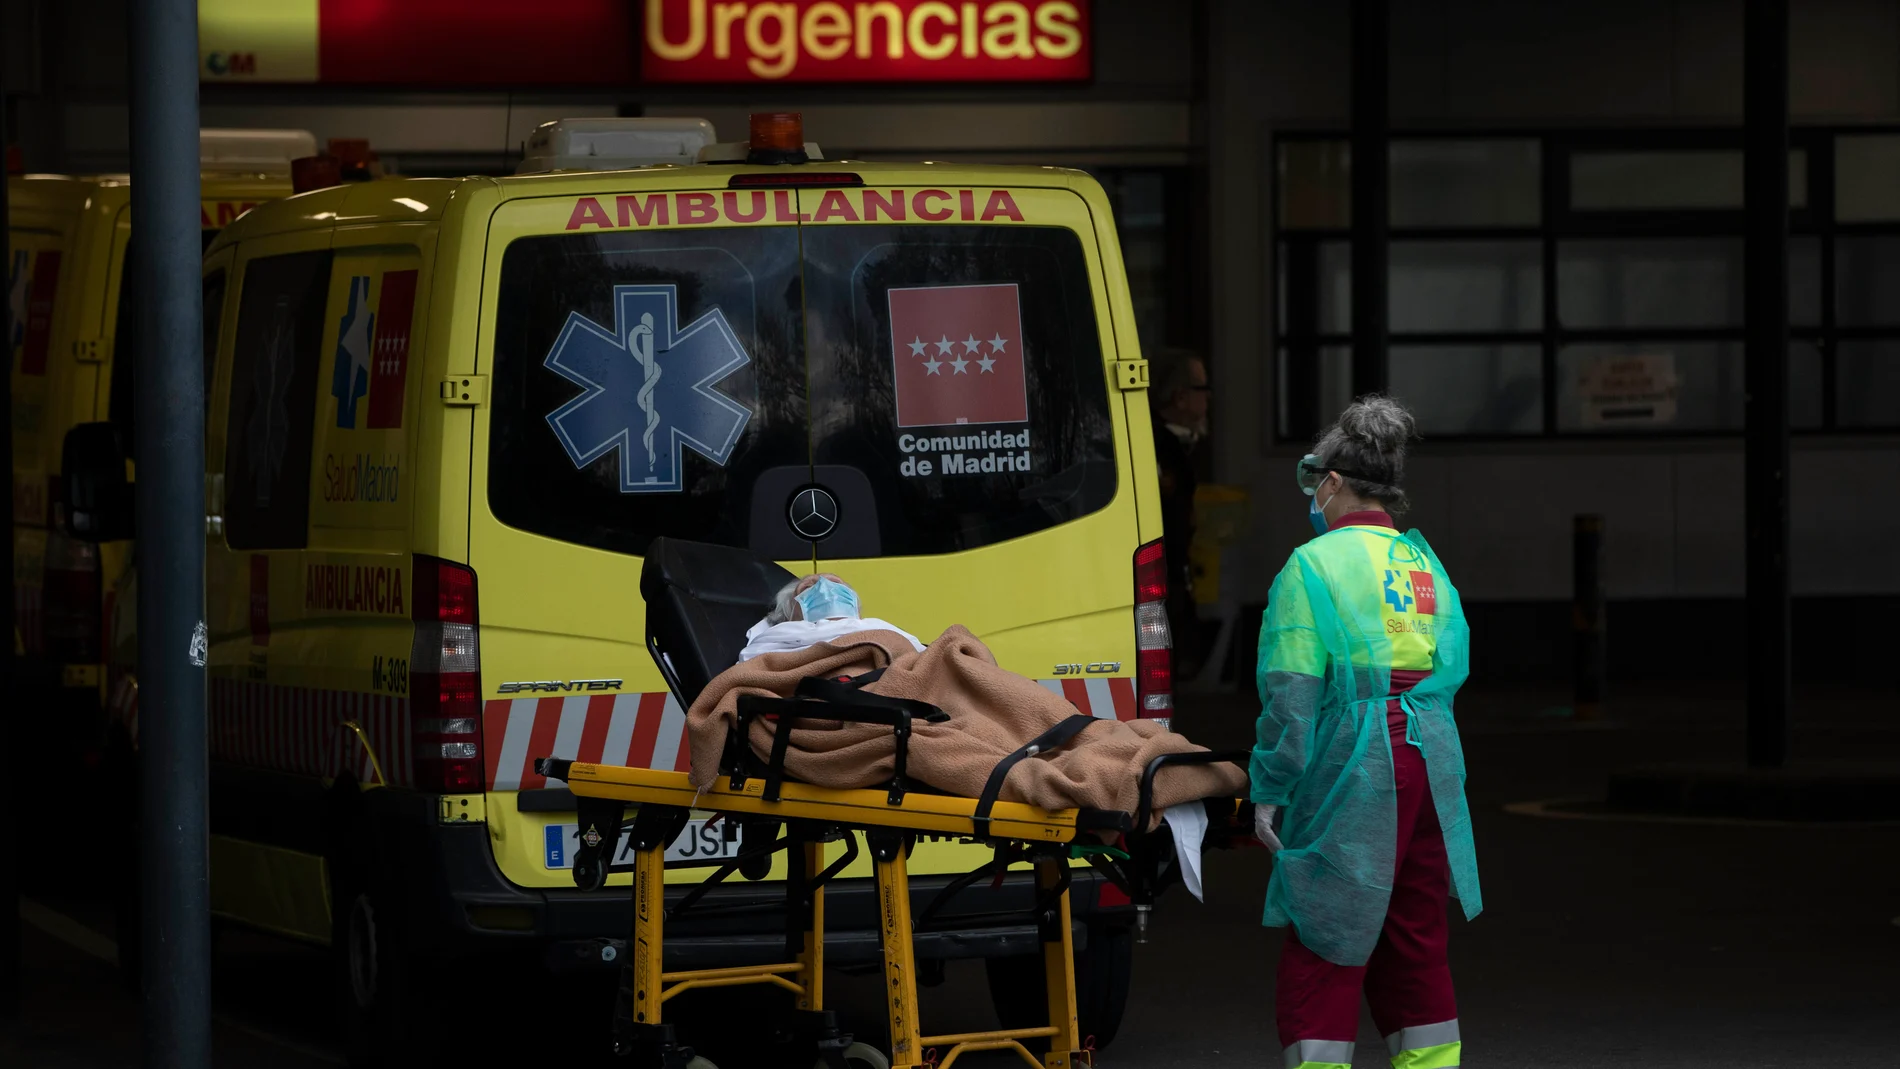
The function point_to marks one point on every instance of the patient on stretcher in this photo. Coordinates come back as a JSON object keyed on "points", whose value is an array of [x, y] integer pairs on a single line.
{"points": [[835, 613], [815, 629]]}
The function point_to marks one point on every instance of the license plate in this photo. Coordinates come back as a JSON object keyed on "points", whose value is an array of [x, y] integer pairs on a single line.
{"points": [[702, 841]]}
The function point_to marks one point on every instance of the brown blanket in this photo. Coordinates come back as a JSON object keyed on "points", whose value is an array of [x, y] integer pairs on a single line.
{"points": [[993, 712]]}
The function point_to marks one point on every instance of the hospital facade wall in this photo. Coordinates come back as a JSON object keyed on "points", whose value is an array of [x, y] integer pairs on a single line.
{"points": [[1501, 512], [72, 109], [1209, 95]]}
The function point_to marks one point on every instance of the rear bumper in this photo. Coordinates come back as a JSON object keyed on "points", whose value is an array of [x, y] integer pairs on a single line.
{"points": [[460, 905]]}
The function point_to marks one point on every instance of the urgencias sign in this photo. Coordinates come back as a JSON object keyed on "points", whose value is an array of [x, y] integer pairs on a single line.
{"points": [[865, 41]]}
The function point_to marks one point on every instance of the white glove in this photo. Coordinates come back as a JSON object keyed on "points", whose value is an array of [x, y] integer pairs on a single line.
{"points": [[1263, 827]]}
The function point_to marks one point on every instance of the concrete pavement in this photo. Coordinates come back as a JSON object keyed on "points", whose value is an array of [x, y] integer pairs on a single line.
{"points": [[1603, 943]]}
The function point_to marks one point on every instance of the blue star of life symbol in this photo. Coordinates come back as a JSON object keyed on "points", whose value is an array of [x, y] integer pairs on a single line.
{"points": [[647, 388], [1399, 599], [350, 380]]}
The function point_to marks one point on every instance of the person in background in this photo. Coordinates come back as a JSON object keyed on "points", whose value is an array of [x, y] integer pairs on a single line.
{"points": [[1178, 400], [1362, 649], [807, 611]]}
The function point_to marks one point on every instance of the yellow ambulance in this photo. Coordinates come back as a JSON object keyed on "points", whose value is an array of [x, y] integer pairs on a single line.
{"points": [[73, 363], [448, 415]]}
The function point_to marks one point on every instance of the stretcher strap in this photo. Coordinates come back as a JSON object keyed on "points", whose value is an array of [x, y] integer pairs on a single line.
{"points": [[830, 699], [1048, 740], [851, 692]]}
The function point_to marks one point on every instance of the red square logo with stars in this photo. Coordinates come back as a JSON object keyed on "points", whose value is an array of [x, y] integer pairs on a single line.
{"points": [[1424, 594], [957, 355], [389, 355]]}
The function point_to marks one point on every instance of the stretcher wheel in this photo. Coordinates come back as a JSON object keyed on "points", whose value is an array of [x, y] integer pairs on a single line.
{"points": [[860, 1056], [1101, 986]]}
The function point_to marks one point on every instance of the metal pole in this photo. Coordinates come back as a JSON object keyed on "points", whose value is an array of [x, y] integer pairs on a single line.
{"points": [[10, 725], [170, 535], [1588, 619], [1765, 479], [1370, 58]]}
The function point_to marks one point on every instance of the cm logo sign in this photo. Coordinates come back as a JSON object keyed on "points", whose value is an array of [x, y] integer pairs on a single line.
{"points": [[229, 64]]}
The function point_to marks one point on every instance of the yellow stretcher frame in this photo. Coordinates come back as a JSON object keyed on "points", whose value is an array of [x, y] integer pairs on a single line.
{"points": [[646, 988]]}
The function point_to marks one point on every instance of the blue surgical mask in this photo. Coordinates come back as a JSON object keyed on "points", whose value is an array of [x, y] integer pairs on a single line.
{"points": [[1317, 515], [828, 599]]}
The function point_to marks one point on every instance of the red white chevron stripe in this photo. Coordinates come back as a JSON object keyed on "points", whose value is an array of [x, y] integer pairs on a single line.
{"points": [[1105, 698], [649, 730], [639, 730], [301, 730]]}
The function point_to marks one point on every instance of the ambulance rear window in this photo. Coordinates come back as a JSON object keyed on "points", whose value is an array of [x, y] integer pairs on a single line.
{"points": [[959, 372], [946, 384], [583, 448]]}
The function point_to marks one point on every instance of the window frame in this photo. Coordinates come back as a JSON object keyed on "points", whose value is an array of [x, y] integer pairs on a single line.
{"points": [[242, 530], [1558, 222]]}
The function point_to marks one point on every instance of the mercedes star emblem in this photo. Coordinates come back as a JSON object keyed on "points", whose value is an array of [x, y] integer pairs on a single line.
{"points": [[813, 513]]}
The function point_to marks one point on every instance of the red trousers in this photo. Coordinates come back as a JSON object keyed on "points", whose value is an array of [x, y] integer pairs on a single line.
{"points": [[1407, 981]]}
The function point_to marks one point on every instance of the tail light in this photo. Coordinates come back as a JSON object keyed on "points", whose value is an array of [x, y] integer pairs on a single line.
{"points": [[445, 680], [69, 591], [1154, 653]]}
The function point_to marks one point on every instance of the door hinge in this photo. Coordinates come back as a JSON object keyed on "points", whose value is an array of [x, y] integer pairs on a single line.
{"points": [[1131, 374], [466, 390], [90, 350], [462, 809]]}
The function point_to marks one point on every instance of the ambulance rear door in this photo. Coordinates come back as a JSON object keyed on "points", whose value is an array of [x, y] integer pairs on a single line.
{"points": [[970, 460], [43, 218], [646, 377]]}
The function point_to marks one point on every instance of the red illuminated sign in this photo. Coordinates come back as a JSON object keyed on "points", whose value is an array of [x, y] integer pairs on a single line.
{"points": [[418, 42], [865, 41], [592, 42]]}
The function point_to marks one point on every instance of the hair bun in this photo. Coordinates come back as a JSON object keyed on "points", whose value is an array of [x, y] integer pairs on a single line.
{"points": [[1380, 422], [1369, 439]]}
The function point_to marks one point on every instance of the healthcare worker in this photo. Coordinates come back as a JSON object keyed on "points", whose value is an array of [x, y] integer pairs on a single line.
{"points": [[1363, 646]]}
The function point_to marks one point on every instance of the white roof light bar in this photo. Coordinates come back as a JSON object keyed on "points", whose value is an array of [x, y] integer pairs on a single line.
{"points": [[614, 144], [254, 151]]}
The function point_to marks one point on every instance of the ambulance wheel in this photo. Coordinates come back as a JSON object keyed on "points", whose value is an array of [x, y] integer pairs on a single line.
{"points": [[1101, 987], [360, 956], [391, 1015]]}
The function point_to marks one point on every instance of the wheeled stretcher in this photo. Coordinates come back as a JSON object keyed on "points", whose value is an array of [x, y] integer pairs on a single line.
{"points": [[697, 597]]}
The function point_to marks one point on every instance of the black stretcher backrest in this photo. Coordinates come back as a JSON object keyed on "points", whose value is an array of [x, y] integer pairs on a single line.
{"points": [[700, 599]]}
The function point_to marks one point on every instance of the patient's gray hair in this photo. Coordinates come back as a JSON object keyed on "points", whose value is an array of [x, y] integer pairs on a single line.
{"points": [[783, 602]]}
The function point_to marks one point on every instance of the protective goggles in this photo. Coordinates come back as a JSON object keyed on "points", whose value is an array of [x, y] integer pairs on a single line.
{"points": [[1309, 472]]}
